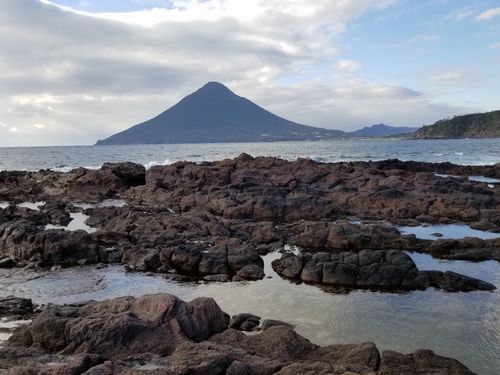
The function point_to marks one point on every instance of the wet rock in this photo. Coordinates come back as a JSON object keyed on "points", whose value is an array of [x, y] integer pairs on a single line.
{"points": [[244, 322], [25, 243], [15, 307], [378, 269], [268, 323], [420, 362], [345, 236], [57, 213], [251, 272], [469, 248]]}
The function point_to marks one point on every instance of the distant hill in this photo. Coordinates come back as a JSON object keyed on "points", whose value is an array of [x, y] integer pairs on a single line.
{"points": [[477, 125], [381, 130], [215, 114]]}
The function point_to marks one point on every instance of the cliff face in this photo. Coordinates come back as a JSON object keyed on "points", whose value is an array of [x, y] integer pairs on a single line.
{"points": [[477, 125]]}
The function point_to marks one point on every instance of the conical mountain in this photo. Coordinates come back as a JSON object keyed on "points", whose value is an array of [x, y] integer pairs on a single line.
{"points": [[215, 114]]}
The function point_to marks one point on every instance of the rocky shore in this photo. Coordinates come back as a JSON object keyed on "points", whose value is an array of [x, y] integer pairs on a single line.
{"points": [[335, 224], [161, 334]]}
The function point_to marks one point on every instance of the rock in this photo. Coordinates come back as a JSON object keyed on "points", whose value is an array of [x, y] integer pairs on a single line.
{"points": [[244, 322], [473, 249], [251, 272], [25, 243], [219, 278], [12, 306], [420, 362], [124, 326], [131, 174], [268, 323], [7, 262], [378, 269], [160, 334]]}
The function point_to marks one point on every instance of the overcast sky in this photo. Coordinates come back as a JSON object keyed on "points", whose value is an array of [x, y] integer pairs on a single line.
{"points": [[72, 72]]}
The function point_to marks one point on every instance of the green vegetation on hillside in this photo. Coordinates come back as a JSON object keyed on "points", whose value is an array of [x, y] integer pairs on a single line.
{"points": [[477, 125]]}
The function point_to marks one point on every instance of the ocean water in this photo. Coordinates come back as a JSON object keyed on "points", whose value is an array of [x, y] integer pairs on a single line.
{"points": [[462, 151]]}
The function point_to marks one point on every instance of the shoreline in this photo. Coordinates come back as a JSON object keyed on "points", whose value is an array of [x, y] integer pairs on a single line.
{"points": [[214, 221]]}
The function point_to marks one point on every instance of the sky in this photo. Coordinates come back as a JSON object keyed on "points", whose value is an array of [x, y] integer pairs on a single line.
{"points": [[73, 72]]}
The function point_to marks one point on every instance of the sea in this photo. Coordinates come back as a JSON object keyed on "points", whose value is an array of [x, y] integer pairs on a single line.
{"points": [[465, 326], [463, 151]]}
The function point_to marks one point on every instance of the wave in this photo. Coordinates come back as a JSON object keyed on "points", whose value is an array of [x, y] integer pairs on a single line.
{"points": [[65, 168], [154, 162]]}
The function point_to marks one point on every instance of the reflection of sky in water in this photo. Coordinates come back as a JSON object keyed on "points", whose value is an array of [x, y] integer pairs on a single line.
{"points": [[487, 180], [31, 205], [452, 231], [461, 325], [77, 223]]}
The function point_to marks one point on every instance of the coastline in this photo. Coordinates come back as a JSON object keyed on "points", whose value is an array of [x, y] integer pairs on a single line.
{"points": [[214, 221]]}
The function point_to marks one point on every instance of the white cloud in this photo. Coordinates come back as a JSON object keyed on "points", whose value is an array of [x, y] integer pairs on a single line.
{"points": [[495, 45], [451, 76], [91, 75], [39, 126], [488, 14], [348, 65], [13, 130], [3, 125], [460, 15]]}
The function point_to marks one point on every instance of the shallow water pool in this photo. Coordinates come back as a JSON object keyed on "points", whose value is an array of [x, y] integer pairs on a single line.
{"points": [[461, 325]]}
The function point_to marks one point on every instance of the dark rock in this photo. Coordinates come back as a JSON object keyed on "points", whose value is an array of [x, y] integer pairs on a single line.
{"points": [[268, 323], [12, 306], [420, 362], [378, 269], [244, 322]]}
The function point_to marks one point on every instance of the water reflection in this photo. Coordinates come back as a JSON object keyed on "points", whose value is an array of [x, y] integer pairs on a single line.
{"points": [[460, 325], [447, 231]]}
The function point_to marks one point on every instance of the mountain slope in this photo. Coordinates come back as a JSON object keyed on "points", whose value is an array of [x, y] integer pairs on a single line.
{"points": [[477, 125], [215, 114], [381, 130]]}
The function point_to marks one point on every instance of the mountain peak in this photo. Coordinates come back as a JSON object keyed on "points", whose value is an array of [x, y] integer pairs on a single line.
{"points": [[214, 87], [215, 114]]}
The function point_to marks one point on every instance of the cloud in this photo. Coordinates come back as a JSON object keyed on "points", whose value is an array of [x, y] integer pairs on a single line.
{"points": [[39, 126], [495, 45], [488, 14], [460, 15], [90, 75], [13, 130], [348, 65], [452, 76]]}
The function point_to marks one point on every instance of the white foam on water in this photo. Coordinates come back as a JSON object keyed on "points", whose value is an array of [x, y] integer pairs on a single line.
{"points": [[4, 204], [154, 163], [10, 325], [105, 203], [112, 203], [66, 169], [32, 205]]}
